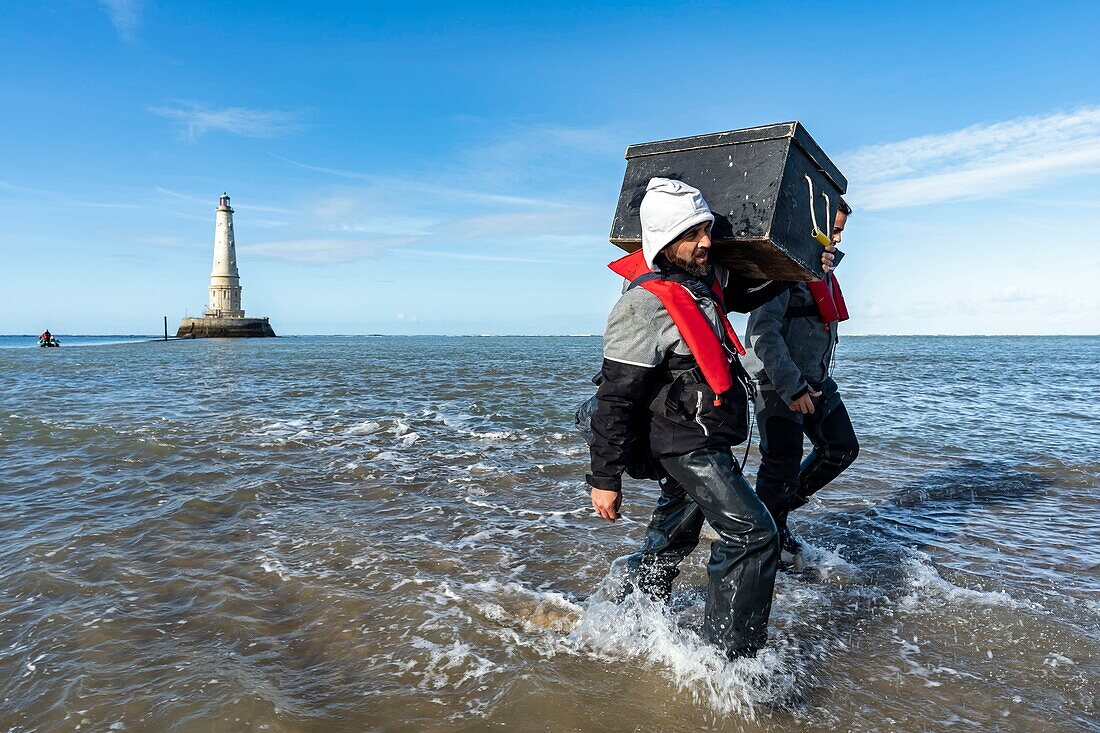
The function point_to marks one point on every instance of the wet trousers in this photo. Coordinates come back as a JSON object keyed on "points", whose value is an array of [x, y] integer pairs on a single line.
{"points": [[708, 484], [785, 481]]}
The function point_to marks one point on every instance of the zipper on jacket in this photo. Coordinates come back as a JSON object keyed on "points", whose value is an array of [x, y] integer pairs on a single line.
{"points": [[699, 413]]}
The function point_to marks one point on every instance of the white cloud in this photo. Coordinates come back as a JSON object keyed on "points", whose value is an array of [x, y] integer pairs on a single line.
{"points": [[100, 205], [467, 193], [125, 15], [319, 250], [579, 221], [472, 207], [473, 257], [196, 120], [447, 211], [533, 154], [171, 241], [56, 197], [977, 162], [177, 194]]}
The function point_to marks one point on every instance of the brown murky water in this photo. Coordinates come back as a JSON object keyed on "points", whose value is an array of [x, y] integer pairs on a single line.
{"points": [[393, 535]]}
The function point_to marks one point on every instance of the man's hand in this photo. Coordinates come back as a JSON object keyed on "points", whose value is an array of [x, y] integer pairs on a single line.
{"points": [[827, 258], [803, 404], [607, 503]]}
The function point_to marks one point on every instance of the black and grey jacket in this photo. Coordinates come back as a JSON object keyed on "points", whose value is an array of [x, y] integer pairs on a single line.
{"points": [[789, 348], [651, 388]]}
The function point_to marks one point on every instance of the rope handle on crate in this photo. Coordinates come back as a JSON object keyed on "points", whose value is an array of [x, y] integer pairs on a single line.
{"points": [[822, 238]]}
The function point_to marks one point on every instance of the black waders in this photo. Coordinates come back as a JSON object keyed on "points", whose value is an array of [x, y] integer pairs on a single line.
{"points": [[708, 484]]}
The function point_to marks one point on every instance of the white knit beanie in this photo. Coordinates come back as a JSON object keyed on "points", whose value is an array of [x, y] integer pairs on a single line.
{"points": [[669, 208]]}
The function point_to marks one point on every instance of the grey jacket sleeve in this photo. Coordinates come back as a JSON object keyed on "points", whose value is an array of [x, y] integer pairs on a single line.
{"points": [[765, 332]]}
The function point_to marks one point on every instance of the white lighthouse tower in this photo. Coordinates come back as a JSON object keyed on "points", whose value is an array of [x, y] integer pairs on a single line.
{"points": [[225, 281], [224, 318]]}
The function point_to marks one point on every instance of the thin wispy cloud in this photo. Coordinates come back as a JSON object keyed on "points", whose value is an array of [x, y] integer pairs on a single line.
{"points": [[125, 16], [455, 210], [530, 155], [474, 257], [190, 215], [504, 166], [977, 162], [63, 199], [170, 241], [578, 222], [452, 193], [101, 205], [320, 250], [195, 120], [178, 195], [23, 190], [211, 200]]}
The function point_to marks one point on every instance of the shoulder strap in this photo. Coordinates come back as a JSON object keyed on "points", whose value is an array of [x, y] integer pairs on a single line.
{"points": [[801, 311], [642, 280]]}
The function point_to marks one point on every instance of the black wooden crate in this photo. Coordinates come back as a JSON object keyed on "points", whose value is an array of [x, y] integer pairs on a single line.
{"points": [[755, 181]]}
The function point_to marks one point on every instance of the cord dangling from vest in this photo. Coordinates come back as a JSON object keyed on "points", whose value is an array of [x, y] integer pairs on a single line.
{"points": [[748, 441]]}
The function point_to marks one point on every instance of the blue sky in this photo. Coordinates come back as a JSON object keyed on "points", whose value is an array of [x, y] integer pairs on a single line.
{"points": [[436, 168]]}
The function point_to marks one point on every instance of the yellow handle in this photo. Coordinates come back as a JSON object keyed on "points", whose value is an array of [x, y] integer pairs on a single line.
{"points": [[823, 238]]}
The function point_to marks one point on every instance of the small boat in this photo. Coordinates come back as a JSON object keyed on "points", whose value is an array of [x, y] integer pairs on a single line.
{"points": [[48, 343]]}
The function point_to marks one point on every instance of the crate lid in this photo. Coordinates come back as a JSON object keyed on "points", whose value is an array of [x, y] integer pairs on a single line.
{"points": [[793, 130]]}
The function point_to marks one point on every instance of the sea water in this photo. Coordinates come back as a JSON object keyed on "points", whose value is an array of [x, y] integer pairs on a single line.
{"points": [[393, 534]]}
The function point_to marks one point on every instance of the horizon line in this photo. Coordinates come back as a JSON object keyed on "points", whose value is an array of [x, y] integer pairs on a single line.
{"points": [[160, 337]]}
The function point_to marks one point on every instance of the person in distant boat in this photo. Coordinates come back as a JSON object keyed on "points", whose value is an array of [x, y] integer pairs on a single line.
{"points": [[791, 341], [672, 395], [46, 336]]}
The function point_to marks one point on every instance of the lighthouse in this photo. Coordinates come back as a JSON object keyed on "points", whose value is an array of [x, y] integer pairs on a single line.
{"points": [[225, 281], [224, 316]]}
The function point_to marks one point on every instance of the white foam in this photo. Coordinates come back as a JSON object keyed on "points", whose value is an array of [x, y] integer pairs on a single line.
{"points": [[545, 616], [494, 436], [479, 538], [273, 565], [367, 427], [639, 628], [1054, 659], [446, 662], [928, 586], [825, 564]]}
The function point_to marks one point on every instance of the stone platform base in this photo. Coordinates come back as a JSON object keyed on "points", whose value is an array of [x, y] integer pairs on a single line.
{"points": [[210, 328]]}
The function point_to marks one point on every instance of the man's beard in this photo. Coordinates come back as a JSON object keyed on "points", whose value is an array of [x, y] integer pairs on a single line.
{"points": [[690, 265]]}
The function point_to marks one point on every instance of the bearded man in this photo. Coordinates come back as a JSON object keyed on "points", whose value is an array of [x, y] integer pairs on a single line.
{"points": [[672, 387]]}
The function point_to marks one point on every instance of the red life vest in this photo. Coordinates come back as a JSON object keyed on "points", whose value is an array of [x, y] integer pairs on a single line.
{"points": [[830, 301], [696, 330]]}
